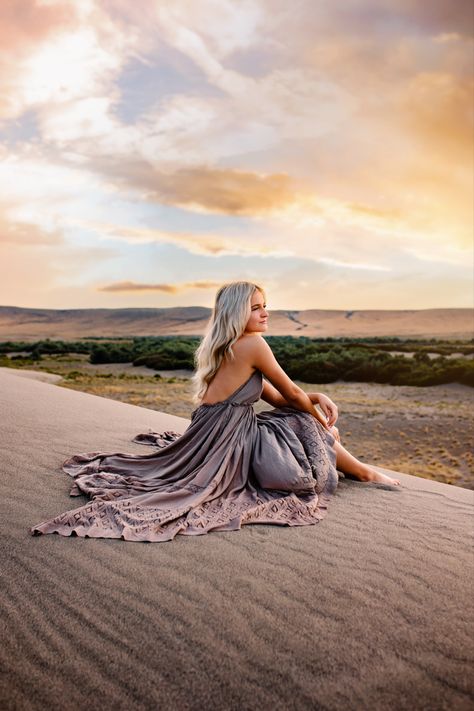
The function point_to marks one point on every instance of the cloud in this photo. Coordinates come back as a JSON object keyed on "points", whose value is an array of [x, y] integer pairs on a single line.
{"points": [[433, 16], [17, 233], [57, 52], [25, 26], [78, 120], [245, 114], [225, 25], [208, 189], [287, 101], [353, 265], [212, 245], [37, 262], [131, 286], [370, 17], [27, 22], [437, 108], [317, 229], [39, 194]]}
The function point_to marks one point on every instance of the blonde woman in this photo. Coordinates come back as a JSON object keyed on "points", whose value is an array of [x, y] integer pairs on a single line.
{"points": [[231, 466]]}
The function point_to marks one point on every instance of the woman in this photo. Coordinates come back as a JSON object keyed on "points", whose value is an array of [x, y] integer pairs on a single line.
{"points": [[231, 466]]}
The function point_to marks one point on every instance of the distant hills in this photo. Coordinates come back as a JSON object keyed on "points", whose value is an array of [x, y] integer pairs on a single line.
{"points": [[18, 323]]}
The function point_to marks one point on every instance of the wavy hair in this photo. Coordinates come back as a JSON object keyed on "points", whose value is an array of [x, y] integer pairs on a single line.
{"points": [[227, 323]]}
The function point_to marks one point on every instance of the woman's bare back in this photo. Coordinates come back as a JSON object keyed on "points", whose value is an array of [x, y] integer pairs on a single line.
{"points": [[231, 374]]}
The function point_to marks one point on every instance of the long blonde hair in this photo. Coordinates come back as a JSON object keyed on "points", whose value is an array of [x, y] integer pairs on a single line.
{"points": [[229, 317]]}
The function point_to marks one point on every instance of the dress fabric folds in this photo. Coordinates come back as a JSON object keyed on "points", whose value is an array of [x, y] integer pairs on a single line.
{"points": [[207, 478]]}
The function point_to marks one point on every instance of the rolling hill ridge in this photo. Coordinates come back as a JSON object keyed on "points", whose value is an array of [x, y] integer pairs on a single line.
{"points": [[30, 323]]}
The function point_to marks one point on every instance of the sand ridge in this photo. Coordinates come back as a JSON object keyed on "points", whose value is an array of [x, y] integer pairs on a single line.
{"points": [[371, 608], [30, 324]]}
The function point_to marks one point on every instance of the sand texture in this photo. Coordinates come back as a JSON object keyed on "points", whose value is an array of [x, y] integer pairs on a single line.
{"points": [[30, 324], [371, 608]]}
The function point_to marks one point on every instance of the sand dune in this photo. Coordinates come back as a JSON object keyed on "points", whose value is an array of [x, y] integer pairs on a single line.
{"points": [[369, 609], [42, 376], [30, 324]]}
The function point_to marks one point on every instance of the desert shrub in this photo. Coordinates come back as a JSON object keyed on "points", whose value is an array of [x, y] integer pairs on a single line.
{"points": [[316, 360]]}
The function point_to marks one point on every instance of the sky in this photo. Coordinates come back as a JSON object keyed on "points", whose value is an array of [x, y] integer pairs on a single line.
{"points": [[153, 150]]}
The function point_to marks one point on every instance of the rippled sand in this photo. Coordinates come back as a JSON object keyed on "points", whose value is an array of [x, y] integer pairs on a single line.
{"points": [[369, 609]]}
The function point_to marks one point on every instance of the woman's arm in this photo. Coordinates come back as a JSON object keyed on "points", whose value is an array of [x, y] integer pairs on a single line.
{"points": [[272, 396], [261, 356]]}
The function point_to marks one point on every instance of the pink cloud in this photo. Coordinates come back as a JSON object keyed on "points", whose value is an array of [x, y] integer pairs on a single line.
{"points": [[218, 190], [131, 286], [24, 23]]}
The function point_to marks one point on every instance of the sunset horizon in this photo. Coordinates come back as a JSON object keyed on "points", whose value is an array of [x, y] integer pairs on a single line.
{"points": [[204, 306]]}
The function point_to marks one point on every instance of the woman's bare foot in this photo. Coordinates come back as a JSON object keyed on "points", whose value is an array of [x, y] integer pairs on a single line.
{"points": [[348, 464], [370, 474]]}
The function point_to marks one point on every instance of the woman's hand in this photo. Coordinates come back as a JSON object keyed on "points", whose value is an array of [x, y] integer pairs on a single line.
{"points": [[327, 406]]}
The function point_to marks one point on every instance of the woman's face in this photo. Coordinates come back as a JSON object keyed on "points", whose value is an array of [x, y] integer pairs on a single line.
{"points": [[258, 321]]}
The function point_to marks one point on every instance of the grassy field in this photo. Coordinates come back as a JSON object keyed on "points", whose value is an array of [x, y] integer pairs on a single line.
{"points": [[426, 432]]}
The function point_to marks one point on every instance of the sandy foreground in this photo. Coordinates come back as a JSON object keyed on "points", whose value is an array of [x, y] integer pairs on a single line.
{"points": [[369, 609]]}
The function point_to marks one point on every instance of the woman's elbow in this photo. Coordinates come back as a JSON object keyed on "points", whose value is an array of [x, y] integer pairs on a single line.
{"points": [[297, 398]]}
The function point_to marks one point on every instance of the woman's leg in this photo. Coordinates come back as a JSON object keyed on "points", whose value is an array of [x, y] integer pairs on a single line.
{"points": [[348, 464]]}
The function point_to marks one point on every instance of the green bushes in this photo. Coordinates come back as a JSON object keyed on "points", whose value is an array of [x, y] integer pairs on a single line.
{"points": [[112, 354], [314, 360], [322, 362], [169, 355]]}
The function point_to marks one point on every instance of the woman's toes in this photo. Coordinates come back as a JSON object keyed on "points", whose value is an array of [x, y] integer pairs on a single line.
{"points": [[374, 475]]}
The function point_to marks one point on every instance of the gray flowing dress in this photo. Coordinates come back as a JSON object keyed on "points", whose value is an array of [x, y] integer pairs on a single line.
{"points": [[205, 479]]}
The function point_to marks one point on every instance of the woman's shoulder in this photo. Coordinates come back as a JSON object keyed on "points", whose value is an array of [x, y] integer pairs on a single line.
{"points": [[248, 340], [251, 345]]}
